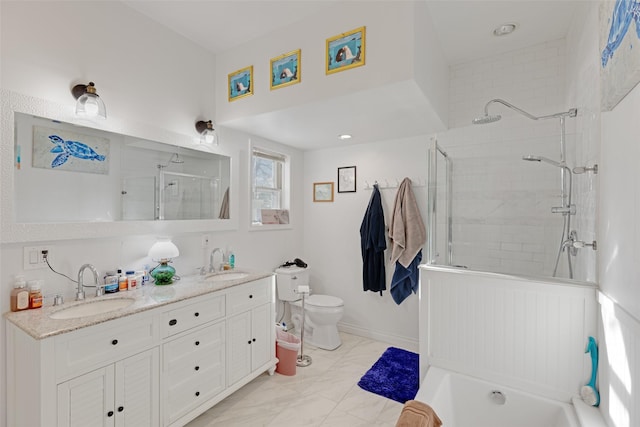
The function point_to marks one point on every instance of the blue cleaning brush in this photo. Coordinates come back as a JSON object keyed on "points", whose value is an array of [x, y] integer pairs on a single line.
{"points": [[589, 393]]}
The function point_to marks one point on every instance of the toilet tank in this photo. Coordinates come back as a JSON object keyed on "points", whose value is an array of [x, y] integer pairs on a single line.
{"points": [[287, 281]]}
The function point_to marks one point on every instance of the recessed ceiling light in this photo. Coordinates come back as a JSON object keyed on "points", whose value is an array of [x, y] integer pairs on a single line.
{"points": [[344, 136], [504, 29]]}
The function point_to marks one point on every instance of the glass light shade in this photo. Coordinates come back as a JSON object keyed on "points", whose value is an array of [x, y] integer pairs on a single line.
{"points": [[209, 137], [90, 105], [163, 249]]}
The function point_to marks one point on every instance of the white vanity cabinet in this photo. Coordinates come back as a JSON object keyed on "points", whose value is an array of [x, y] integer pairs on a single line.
{"points": [[158, 366], [102, 375], [250, 329], [193, 362], [122, 394]]}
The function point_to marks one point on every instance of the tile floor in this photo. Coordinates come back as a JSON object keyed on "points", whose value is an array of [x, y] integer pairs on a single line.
{"points": [[325, 394]]}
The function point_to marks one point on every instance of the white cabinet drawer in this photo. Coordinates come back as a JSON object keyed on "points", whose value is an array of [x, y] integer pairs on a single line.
{"points": [[192, 315], [188, 357], [247, 296], [98, 345]]}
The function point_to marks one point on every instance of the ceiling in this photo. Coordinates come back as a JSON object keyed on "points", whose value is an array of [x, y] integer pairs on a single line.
{"points": [[464, 29]]}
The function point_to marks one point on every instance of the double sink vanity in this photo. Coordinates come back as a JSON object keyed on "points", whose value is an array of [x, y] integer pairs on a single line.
{"points": [[156, 356]]}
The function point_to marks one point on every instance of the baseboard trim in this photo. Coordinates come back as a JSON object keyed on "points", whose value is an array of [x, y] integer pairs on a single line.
{"points": [[406, 343]]}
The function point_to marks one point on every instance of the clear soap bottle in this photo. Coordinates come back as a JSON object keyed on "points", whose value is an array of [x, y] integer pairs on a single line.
{"points": [[19, 295]]}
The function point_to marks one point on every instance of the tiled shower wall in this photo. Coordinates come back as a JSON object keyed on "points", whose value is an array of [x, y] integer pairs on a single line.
{"points": [[501, 204]]}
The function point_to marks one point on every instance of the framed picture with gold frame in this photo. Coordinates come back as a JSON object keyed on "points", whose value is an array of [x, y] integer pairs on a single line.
{"points": [[345, 51], [241, 83], [323, 191], [286, 70]]}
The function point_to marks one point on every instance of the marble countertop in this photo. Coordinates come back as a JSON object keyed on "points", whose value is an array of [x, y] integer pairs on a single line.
{"points": [[38, 323]]}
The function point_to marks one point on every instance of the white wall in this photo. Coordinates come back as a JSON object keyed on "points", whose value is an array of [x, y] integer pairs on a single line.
{"points": [[309, 35], [619, 252], [610, 139], [140, 71], [332, 233]]}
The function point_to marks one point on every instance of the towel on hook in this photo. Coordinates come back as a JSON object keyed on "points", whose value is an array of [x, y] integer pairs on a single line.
{"points": [[406, 229], [224, 207], [405, 279], [408, 235]]}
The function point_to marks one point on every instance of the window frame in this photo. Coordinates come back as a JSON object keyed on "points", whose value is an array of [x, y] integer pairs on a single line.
{"points": [[285, 187]]}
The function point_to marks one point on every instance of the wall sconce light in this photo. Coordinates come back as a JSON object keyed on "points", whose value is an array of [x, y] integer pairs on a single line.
{"points": [[207, 132], [88, 102], [162, 251]]}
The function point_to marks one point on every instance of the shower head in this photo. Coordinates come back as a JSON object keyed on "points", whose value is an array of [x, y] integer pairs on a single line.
{"points": [[486, 119], [531, 158], [175, 158], [490, 119]]}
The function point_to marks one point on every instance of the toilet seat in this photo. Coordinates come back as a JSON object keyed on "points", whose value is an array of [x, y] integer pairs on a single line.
{"points": [[321, 301]]}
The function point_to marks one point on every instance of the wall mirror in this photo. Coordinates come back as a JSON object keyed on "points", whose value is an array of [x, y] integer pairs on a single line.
{"points": [[84, 174], [72, 180]]}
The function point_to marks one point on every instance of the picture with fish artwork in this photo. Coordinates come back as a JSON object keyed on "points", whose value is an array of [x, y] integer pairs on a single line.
{"points": [[286, 70], [69, 151], [619, 50], [241, 83], [346, 51]]}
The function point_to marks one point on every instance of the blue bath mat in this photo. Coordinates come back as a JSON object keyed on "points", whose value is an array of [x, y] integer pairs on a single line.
{"points": [[394, 375]]}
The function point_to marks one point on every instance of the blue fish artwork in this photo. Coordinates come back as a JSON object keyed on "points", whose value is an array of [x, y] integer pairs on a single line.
{"points": [[624, 12], [68, 148]]}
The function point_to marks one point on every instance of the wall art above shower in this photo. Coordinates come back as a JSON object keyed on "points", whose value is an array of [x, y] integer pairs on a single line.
{"points": [[620, 57]]}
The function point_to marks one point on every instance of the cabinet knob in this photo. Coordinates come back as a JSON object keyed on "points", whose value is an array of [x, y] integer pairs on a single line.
{"points": [[120, 408], [197, 368], [173, 322], [197, 393], [110, 414], [197, 342], [249, 342], [254, 340], [196, 314], [114, 342], [250, 296]]}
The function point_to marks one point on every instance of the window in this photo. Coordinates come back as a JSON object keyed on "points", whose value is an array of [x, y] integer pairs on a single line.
{"points": [[268, 183]]}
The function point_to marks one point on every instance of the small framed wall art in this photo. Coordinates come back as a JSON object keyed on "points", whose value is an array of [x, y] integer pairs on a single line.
{"points": [[241, 83], [347, 179], [323, 191], [346, 51], [286, 70]]}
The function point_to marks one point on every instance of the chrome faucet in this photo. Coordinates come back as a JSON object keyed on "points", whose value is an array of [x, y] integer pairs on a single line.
{"points": [[80, 292], [212, 268]]}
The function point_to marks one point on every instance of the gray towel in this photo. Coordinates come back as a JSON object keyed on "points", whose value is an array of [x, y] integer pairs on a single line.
{"points": [[224, 207], [406, 229]]}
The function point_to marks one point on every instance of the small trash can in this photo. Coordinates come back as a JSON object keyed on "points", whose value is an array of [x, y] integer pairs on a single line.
{"points": [[287, 348]]}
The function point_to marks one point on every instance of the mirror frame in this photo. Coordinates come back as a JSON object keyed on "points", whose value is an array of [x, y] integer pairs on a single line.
{"points": [[13, 232]]}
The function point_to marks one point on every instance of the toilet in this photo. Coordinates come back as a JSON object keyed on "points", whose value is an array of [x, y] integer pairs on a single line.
{"points": [[323, 312]]}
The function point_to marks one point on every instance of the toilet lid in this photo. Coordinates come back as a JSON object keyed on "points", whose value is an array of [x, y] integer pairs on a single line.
{"points": [[324, 301]]}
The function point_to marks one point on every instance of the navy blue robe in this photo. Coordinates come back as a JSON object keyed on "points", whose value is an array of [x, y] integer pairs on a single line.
{"points": [[373, 243]]}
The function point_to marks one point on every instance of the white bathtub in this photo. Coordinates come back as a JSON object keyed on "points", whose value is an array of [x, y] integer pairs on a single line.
{"points": [[462, 401]]}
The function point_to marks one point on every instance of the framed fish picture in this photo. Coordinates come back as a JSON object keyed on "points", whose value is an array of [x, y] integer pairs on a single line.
{"points": [[286, 70], [345, 51], [241, 83], [63, 150]]}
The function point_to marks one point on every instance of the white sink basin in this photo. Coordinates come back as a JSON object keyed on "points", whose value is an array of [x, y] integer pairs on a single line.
{"points": [[223, 277], [92, 308]]}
